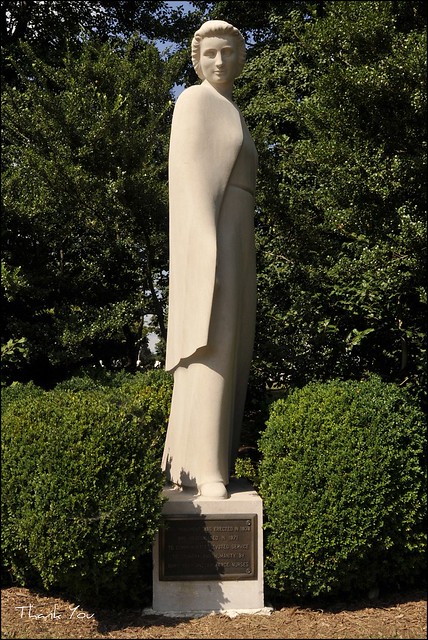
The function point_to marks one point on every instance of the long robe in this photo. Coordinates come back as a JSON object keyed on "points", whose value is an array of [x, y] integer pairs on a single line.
{"points": [[212, 294]]}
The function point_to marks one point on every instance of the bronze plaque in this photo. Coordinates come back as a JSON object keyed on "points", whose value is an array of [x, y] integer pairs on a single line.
{"points": [[208, 548]]}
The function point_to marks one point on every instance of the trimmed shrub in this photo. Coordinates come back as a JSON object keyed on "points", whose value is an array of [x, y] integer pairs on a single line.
{"points": [[97, 378], [343, 481], [18, 392], [81, 498]]}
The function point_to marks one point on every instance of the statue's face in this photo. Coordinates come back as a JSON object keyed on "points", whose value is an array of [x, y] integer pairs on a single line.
{"points": [[219, 60]]}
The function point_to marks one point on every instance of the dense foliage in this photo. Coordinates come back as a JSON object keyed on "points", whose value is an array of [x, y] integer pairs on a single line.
{"points": [[53, 27], [81, 484], [85, 207], [338, 111], [343, 482], [335, 97]]}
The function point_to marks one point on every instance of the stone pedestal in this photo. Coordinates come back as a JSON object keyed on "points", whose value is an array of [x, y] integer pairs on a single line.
{"points": [[208, 556]]}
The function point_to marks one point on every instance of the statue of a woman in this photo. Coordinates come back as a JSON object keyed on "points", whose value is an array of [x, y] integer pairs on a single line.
{"points": [[212, 290]]}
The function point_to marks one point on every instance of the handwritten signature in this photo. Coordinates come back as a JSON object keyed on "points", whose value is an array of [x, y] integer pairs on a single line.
{"points": [[54, 614]]}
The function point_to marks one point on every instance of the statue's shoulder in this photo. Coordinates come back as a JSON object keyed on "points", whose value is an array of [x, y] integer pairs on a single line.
{"points": [[194, 95]]}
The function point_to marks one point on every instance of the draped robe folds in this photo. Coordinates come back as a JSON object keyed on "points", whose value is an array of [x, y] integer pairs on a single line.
{"points": [[206, 138]]}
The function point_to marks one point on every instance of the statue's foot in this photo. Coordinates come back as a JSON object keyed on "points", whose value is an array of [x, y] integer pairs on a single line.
{"points": [[213, 490]]}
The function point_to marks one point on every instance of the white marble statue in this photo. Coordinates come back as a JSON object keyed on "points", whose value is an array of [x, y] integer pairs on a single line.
{"points": [[212, 292]]}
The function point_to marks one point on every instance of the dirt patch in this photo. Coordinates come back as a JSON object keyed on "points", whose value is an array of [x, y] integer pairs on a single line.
{"points": [[28, 613]]}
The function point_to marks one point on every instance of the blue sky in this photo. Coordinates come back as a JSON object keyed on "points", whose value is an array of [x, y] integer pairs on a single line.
{"points": [[186, 5]]}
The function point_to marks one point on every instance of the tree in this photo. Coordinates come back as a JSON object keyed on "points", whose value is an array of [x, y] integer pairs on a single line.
{"points": [[257, 20], [334, 94], [338, 110], [52, 28], [85, 205]]}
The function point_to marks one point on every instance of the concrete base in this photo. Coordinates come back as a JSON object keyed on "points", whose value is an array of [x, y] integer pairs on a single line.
{"points": [[192, 596]]}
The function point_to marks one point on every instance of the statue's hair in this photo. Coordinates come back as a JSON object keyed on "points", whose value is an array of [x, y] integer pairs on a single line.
{"points": [[210, 29]]}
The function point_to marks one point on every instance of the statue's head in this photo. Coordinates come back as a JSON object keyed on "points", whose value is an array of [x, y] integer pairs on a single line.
{"points": [[219, 28]]}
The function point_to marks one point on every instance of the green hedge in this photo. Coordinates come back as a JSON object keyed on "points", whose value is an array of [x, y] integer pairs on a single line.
{"points": [[81, 495], [343, 481]]}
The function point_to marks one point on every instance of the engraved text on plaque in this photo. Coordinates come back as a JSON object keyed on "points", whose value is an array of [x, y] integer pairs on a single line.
{"points": [[208, 547]]}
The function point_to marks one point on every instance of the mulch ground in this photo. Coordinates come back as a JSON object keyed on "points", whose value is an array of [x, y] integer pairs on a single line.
{"points": [[28, 613]]}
